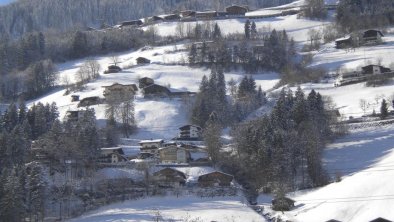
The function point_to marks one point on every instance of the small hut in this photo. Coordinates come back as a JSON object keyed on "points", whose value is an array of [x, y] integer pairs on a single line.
{"points": [[142, 60]]}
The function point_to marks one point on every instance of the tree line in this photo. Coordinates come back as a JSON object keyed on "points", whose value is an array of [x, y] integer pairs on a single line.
{"points": [[33, 144], [282, 150], [253, 52], [40, 15], [353, 15]]}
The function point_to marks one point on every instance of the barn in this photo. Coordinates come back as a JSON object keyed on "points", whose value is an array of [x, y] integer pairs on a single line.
{"points": [[155, 90], [215, 179], [169, 178], [236, 10]]}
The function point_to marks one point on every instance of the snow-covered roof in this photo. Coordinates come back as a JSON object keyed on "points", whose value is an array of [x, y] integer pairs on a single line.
{"points": [[151, 141]]}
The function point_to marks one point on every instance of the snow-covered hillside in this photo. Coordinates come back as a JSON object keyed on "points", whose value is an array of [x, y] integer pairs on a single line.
{"points": [[156, 118], [295, 27], [365, 157], [366, 192], [183, 208]]}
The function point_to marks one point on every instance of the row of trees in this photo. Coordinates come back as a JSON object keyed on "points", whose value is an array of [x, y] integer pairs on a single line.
{"points": [[22, 182], [275, 51], [72, 145], [282, 150], [353, 15]]}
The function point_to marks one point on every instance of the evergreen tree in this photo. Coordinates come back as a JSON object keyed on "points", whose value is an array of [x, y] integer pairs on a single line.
{"points": [[247, 29], [79, 45], [11, 202], [253, 30], [383, 109], [36, 190], [217, 34]]}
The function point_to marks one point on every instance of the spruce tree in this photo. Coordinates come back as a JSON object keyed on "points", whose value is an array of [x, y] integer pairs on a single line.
{"points": [[247, 29], [383, 109]]}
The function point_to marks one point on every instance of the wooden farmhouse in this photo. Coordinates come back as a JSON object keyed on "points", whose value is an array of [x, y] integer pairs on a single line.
{"points": [[372, 36], [169, 178], [112, 69], [174, 154], [112, 155], [155, 90], [131, 23], [155, 19], [190, 132], [89, 101], [151, 146], [144, 82], [374, 70], [171, 17], [188, 13], [236, 10], [120, 90], [215, 179], [142, 60], [207, 15]]}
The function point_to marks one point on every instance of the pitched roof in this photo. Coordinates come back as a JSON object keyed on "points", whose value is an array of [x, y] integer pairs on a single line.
{"points": [[151, 141]]}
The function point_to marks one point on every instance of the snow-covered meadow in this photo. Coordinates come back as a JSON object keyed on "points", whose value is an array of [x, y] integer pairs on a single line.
{"points": [[183, 208]]}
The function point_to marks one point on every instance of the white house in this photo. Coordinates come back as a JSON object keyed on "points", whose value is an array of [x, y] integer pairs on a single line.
{"points": [[190, 132], [151, 146]]}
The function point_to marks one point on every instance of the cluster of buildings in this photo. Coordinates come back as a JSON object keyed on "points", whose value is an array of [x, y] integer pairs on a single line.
{"points": [[188, 15], [173, 178], [181, 151], [369, 71], [367, 37]]}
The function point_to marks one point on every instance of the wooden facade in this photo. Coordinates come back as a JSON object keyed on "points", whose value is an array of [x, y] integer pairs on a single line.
{"points": [[236, 10], [169, 178], [131, 23], [120, 90], [372, 36], [174, 154], [155, 90], [89, 101], [112, 69], [374, 70], [215, 179], [142, 60]]}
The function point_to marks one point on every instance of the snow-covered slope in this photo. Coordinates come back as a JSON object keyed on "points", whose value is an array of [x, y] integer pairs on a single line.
{"points": [[156, 118], [183, 208], [366, 158], [295, 27]]}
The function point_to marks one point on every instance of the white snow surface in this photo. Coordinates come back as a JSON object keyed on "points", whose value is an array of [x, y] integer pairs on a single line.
{"points": [[295, 27], [366, 192], [183, 208], [156, 118]]}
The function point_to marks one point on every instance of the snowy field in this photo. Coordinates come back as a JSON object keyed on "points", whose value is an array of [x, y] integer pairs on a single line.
{"points": [[295, 27], [366, 192], [185, 208]]}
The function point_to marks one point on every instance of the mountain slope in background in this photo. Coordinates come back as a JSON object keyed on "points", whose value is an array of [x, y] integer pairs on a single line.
{"points": [[39, 15]]}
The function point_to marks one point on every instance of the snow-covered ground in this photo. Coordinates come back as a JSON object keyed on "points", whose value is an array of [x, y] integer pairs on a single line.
{"points": [[366, 192], [295, 27], [183, 208], [156, 118]]}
